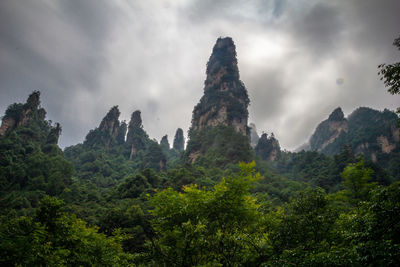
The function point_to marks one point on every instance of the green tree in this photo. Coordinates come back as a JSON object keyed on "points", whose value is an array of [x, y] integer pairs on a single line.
{"points": [[303, 230], [369, 235], [55, 238], [214, 227], [357, 179], [390, 74]]}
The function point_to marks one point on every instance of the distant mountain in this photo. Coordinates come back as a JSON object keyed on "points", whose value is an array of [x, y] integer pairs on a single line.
{"points": [[219, 123], [372, 133], [106, 156], [268, 148]]}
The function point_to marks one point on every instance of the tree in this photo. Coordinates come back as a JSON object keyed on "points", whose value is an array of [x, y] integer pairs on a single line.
{"points": [[390, 74], [55, 238], [357, 179], [214, 227], [303, 230]]}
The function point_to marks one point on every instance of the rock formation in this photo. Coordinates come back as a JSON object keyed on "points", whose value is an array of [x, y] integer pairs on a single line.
{"points": [[367, 131], [110, 131], [225, 98], [121, 133], [164, 143], [329, 130], [110, 123], [268, 148], [224, 104], [30, 116], [21, 115], [179, 140], [136, 138]]}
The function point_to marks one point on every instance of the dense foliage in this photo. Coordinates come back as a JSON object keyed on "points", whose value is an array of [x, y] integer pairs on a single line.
{"points": [[31, 164], [218, 146]]}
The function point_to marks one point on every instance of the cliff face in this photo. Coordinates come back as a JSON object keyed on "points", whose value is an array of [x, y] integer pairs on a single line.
{"points": [[225, 98], [329, 130], [20, 115], [367, 131], [136, 138], [110, 123], [223, 106], [108, 151], [179, 140], [268, 148], [110, 131], [164, 143], [373, 133], [31, 117]]}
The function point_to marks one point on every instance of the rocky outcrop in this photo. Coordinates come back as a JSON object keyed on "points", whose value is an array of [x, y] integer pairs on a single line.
{"points": [[164, 143], [223, 105], [121, 133], [136, 138], [30, 115], [21, 115], [329, 130], [225, 98], [179, 140], [268, 148], [7, 125], [109, 133], [367, 131], [385, 145], [110, 123]]}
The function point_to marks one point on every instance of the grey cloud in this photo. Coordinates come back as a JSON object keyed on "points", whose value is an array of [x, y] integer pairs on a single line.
{"points": [[267, 93], [319, 29]]}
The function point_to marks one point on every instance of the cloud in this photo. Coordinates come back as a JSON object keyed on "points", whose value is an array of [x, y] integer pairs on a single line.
{"points": [[87, 56]]}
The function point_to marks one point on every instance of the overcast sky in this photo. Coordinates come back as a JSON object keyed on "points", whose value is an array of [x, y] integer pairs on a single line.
{"points": [[299, 59]]}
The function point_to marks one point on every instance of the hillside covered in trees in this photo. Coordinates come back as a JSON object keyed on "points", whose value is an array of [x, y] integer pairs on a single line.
{"points": [[121, 198]]}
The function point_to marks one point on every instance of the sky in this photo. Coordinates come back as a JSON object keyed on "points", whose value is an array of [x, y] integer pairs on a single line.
{"points": [[299, 59]]}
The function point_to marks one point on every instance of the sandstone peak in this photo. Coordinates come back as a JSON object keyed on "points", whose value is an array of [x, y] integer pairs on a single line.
{"points": [[136, 120], [222, 113], [225, 98], [30, 115], [110, 122], [164, 143], [179, 140], [136, 138], [268, 148], [336, 115], [33, 100], [20, 115]]}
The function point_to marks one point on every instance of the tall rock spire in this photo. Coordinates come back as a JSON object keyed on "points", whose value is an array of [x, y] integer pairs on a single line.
{"points": [[225, 98], [107, 132], [179, 140], [221, 115], [136, 138]]}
